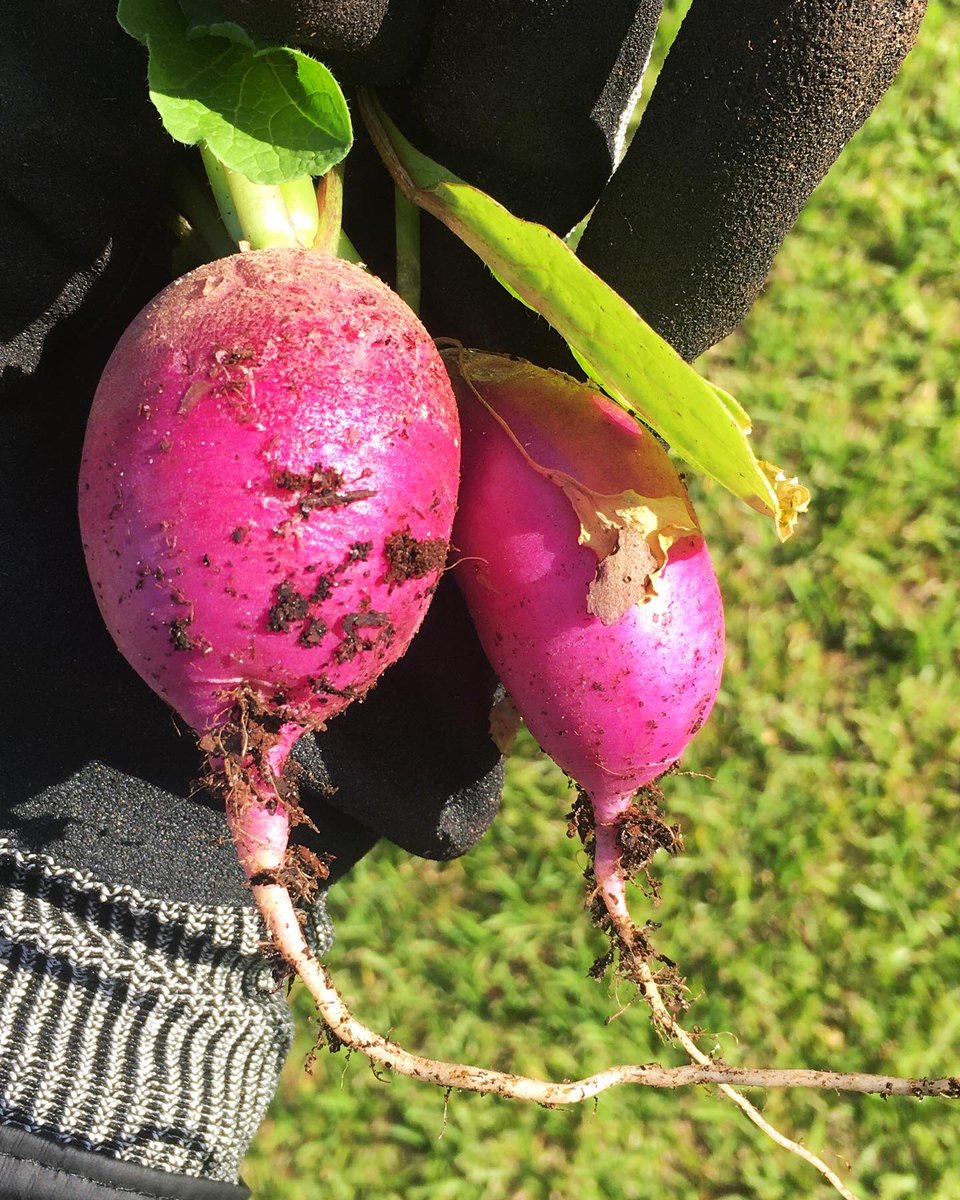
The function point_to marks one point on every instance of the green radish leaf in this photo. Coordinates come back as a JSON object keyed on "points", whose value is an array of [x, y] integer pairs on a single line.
{"points": [[140, 18], [271, 113], [205, 19], [612, 343]]}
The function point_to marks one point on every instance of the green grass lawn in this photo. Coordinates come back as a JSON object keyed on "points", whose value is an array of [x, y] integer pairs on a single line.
{"points": [[814, 912]]}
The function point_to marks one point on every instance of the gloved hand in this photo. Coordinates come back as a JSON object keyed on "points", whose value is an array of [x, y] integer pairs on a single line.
{"points": [[140, 1032], [757, 101]]}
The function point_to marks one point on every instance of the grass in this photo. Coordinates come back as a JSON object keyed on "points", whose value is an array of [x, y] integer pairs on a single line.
{"points": [[814, 912]]}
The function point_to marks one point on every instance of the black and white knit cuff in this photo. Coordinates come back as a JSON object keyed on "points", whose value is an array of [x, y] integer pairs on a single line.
{"points": [[147, 1030]]}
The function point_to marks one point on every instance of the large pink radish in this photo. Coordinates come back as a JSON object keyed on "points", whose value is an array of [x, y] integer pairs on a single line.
{"points": [[267, 489], [588, 580]]}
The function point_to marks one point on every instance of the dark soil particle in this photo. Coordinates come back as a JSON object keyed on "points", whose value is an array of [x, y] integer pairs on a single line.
{"points": [[370, 618], [290, 481], [642, 832], [348, 650], [312, 633], [410, 558], [300, 875], [238, 763], [353, 640], [181, 637], [290, 605], [323, 589], [322, 487], [145, 573], [322, 686]]}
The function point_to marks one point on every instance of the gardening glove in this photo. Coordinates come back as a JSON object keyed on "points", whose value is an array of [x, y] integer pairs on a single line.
{"points": [[753, 105]]}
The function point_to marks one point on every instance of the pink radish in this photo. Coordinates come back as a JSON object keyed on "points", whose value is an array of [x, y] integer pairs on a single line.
{"points": [[589, 583], [267, 489]]}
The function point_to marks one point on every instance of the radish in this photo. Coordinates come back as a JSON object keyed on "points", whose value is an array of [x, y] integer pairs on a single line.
{"points": [[267, 489], [266, 496], [592, 591]]}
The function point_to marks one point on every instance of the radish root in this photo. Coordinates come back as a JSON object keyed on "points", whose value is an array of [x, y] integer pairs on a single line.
{"points": [[634, 952], [283, 924], [271, 886]]}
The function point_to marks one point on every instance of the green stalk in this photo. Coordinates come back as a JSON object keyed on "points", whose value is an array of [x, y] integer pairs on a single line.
{"points": [[347, 250], [201, 214], [330, 208], [300, 198], [330, 238], [407, 222], [298, 213], [259, 215]]}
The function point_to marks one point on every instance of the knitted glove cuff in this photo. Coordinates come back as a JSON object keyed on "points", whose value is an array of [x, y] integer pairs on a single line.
{"points": [[144, 1029]]}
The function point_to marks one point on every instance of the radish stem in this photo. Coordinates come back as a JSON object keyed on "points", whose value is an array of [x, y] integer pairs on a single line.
{"points": [[346, 250], [197, 207], [300, 198], [330, 207], [263, 216], [407, 222], [331, 238]]}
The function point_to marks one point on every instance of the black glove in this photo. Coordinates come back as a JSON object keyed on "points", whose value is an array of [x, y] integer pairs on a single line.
{"points": [[754, 104]]}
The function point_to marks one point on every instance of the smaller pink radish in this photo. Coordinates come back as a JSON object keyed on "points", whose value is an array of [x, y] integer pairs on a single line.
{"points": [[267, 488], [588, 580]]}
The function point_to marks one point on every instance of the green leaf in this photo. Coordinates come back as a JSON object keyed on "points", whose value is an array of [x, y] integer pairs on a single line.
{"points": [[613, 344], [205, 19], [140, 18], [271, 113]]}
